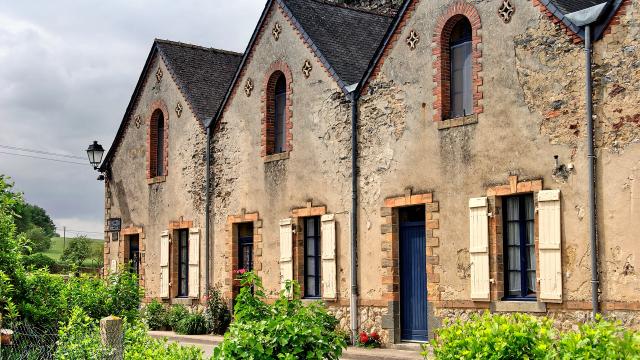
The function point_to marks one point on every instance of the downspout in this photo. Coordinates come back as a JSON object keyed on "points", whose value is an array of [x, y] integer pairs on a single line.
{"points": [[586, 18], [207, 221], [354, 213]]}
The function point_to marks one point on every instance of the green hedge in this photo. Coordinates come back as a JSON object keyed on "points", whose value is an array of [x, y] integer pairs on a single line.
{"points": [[521, 336]]}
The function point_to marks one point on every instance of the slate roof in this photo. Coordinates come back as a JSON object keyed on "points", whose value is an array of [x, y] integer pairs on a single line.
{"points": [[348, 38], [560, 8], [204, 74]]}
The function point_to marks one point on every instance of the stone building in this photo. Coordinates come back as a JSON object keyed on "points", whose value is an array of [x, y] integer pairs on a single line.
{"points": [[472, 182]]}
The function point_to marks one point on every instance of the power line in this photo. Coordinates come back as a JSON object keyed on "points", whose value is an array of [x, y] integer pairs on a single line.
{"points": [[43, 158], [41, 152]]}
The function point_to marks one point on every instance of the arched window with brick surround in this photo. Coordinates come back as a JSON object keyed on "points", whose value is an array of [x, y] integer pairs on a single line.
{"points": [[157, 144], [276, 122], [457, 69]]}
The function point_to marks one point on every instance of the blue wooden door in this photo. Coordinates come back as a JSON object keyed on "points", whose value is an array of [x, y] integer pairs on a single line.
{"points": [[413, 281]]}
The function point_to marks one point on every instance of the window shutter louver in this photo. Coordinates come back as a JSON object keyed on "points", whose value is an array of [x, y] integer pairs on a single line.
{"points": [[479, 248], [286, 250], [328, 242], [164, 264], [194, 262], [549, 246]]}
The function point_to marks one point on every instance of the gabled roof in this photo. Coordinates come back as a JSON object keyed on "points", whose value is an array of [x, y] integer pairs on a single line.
{"points": [[560, 9], [343, 39], [202, 74], [348, 38]]}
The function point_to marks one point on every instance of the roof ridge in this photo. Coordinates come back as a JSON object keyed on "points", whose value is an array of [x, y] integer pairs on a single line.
{"points": [[197, 47], [343, 6]]}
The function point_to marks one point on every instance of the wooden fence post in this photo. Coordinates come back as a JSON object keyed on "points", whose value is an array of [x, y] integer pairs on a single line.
{"points": [[112, 336]]}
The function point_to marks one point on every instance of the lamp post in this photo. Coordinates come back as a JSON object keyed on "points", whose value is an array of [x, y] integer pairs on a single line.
{"points": [[95, 152]]}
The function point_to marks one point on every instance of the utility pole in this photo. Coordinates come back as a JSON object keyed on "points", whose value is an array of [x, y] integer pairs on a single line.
{"points": [[64, 238]]}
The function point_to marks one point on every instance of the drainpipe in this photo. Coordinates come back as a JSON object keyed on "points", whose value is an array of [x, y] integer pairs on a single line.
{"points": [[207, 205], [354, 212], [586, 18]]}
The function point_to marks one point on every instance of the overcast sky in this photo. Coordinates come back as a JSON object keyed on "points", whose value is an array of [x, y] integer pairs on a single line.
{"points": [[67, 71]]}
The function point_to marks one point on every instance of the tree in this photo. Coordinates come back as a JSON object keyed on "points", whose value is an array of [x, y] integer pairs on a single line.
{"points": [[38, 240], [30, 216], [78, 250]]}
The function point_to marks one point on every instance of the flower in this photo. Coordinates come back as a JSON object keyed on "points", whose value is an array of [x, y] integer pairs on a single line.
{"points": [[241, 271], [375, 336], [363, 337]]}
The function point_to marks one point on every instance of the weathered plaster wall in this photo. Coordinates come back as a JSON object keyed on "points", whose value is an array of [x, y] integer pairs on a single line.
{"points": [[532, 85], [316, 170], [154, 206]]}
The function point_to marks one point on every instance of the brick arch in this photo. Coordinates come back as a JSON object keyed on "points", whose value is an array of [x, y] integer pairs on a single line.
{"points": [[157, 105], [441, 68], [268, 108]]}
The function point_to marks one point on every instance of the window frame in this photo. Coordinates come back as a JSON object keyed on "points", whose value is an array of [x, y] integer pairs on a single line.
{"points": [[465, 42], [183, 249], [159, 169], [524, 245], [317, 256], [280, 115]]}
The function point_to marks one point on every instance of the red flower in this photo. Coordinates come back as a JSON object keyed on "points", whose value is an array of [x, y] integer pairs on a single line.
{"points": [[241, 271], [375, 336], [363, 337]]}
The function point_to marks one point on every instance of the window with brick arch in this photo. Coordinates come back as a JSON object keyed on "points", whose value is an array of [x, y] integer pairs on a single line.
{"points": [[460, 65], [157, 144], [277, 114]]}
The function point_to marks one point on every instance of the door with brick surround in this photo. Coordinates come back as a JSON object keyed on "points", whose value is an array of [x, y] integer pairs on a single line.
{"points": [[413, 274]]}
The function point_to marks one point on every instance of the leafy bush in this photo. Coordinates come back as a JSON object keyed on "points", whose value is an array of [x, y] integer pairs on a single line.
{"points": [[287, 329], [598, 340], [516, 336], [192, 324], [155, 315], [216, 312], [80, 339], [39, 261], [124, 294], [42, 300], [78, 251], [39, 241], [176, 313]]}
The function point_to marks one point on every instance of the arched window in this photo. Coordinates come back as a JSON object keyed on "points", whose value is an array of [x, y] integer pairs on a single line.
{"points": [[460, 63], [457, 71], [157, 163], [280, 119]]}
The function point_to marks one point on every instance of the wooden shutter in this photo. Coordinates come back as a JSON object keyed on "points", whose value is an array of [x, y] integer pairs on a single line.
{"points": [[328, 242], [164, 264], [479, 248], [286, 251], [549, 241], [194, 262]]}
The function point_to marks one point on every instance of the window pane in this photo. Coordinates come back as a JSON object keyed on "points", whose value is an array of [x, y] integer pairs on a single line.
{"points": [[513, 208], [311, 290], [529, 208], [160, 146], [514, 283], [532, 281], [310, 227], [513, 233], [514, 258]]}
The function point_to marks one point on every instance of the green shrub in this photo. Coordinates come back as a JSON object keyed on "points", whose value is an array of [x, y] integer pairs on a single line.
{"points": [[124, 294], [89, 294], [598, 340], [155, 315], [78, 250], [42, 299], [38, 240], [216, 312], [192, 324], [516, 336], [287, 329], [176, 313], [39, 261], [80, 339]]}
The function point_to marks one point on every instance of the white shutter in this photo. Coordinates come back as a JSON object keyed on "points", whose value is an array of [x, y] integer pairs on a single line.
{"points": [[549, 240], [328, 242], [164, 264], [479, 248], [286, 251], [194, 262]]}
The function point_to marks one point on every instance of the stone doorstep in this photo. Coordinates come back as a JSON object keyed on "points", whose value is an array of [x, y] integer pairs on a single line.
{"points": [[353, 353]]}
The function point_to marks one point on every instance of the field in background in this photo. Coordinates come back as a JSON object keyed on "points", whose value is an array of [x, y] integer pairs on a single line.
{"points": [[55, 252]]}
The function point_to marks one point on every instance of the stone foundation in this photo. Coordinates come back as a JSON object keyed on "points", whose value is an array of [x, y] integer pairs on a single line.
{"points": [[369, 320]]}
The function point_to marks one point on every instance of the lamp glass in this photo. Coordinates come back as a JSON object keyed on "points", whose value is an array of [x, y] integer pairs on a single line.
{"points": [[95, 152]]}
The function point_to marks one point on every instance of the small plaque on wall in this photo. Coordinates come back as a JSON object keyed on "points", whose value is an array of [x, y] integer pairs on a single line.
{"points": [[114, 224]]}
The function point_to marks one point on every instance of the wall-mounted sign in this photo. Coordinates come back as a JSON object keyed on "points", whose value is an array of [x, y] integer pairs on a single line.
{"points": [[114, 224]]}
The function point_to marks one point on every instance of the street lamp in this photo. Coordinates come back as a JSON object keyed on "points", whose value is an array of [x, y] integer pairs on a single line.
{"points": [[95, 152]]}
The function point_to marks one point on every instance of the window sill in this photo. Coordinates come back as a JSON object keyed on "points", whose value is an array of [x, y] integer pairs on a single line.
{"points": [[276, 157], [157, 179], [529, 306], [460, 121], [182, 301]]}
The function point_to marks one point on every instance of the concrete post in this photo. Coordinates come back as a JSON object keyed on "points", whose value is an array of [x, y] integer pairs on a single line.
{"points": [[112, 336]]}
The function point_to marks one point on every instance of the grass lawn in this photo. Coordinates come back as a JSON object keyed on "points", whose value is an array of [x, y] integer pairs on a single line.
{"points": [[55, 251]]}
